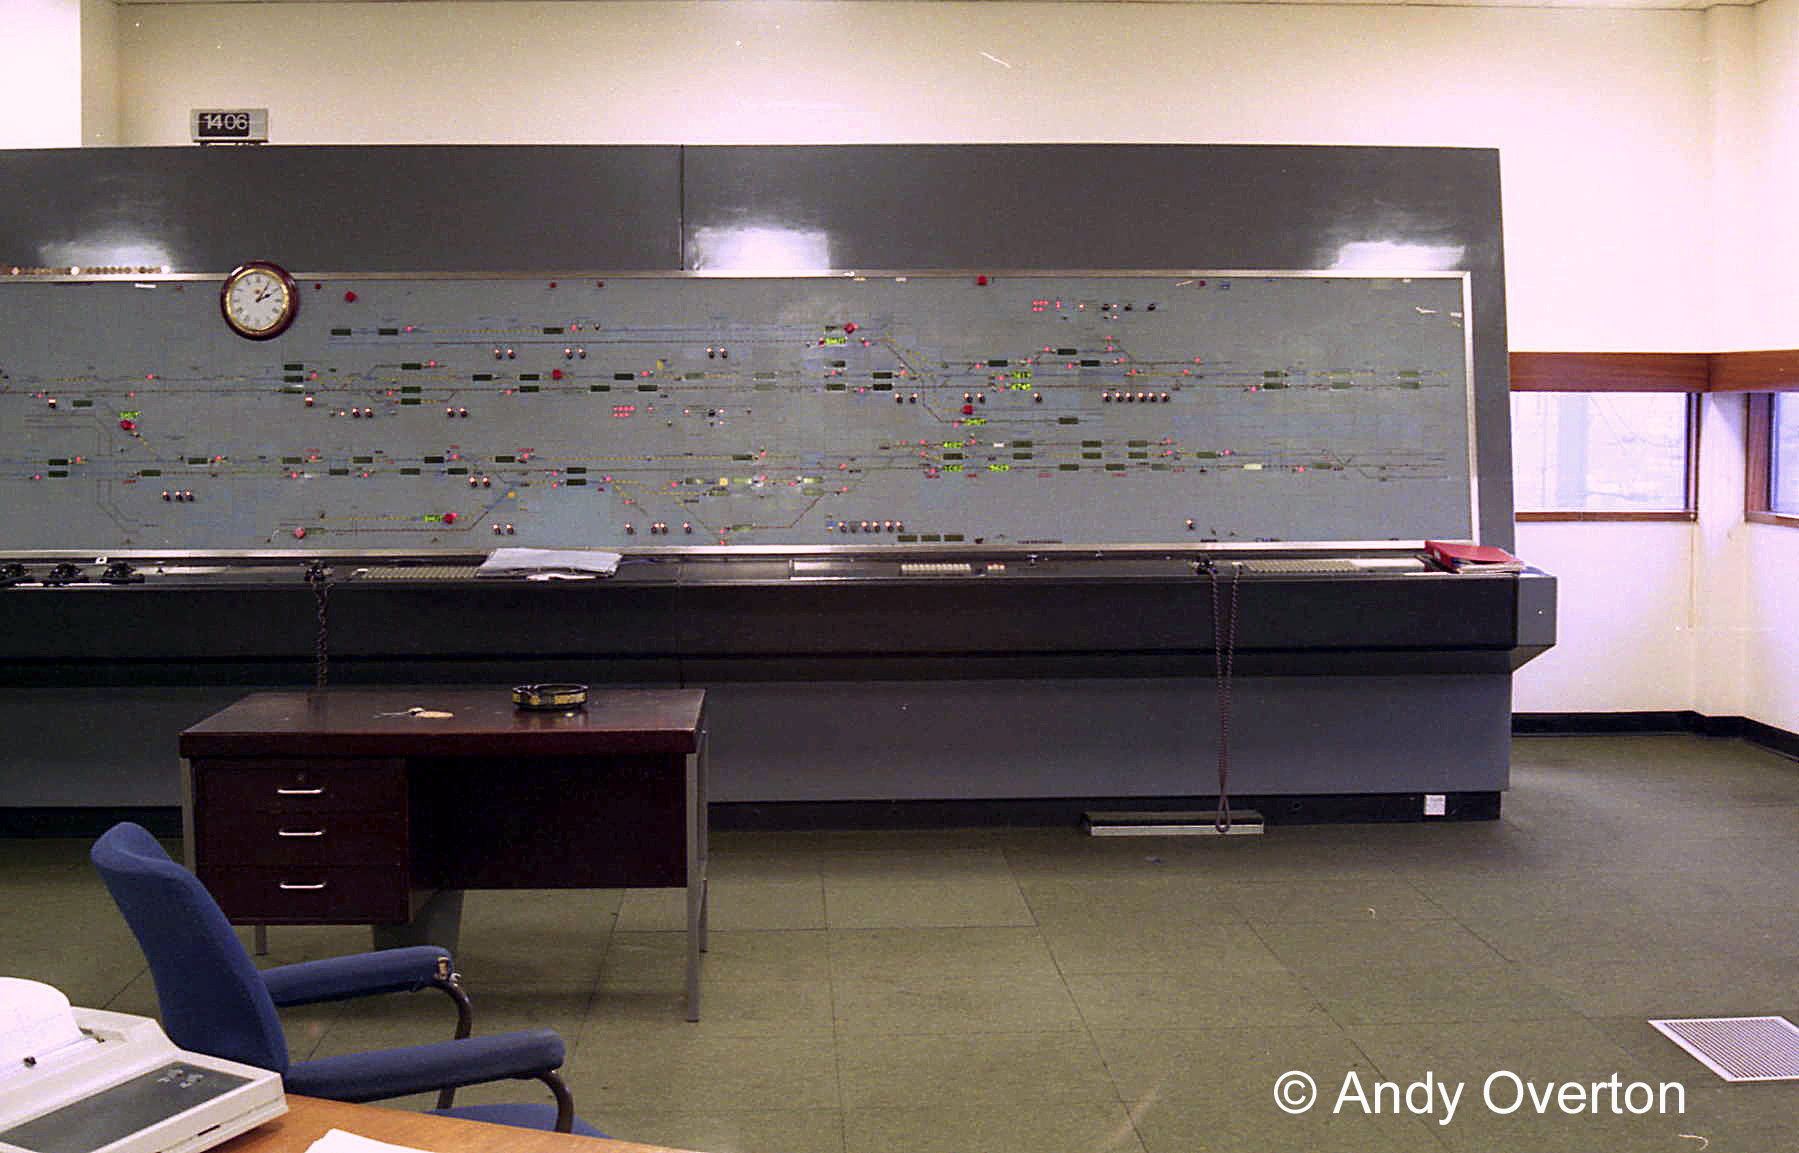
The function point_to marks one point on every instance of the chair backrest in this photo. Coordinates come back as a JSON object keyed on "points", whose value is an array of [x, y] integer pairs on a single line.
{"points": [[213, 999]]}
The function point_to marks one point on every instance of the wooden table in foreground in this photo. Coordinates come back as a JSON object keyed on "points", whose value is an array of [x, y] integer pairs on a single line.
{"points": [[360, 805], [309, 1118]]}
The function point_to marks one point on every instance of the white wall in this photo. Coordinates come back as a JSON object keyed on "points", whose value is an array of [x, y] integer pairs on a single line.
{"points": [[1770, 553], [99, 73], [40, 83], [1635, 151]]}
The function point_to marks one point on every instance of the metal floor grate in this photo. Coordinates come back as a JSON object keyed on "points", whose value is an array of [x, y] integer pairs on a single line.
{"points": [[1739, 1048], [421, 572]]}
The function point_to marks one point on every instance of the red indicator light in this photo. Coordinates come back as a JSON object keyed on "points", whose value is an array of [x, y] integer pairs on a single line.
{"points": [[968, 410], [850, 327], [981, 281], [555, 374], [449, 518], [128, 425], [350, 297], [300, 534]]}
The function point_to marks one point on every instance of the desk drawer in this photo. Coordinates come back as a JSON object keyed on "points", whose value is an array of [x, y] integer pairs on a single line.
{"points": [[296, 786], [300, 894], [246, 837]]}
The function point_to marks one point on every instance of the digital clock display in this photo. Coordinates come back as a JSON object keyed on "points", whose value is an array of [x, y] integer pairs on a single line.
{"points": [[230, 125]]}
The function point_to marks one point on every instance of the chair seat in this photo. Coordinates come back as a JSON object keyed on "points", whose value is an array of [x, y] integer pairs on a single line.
{"points": [[518, 1116]]}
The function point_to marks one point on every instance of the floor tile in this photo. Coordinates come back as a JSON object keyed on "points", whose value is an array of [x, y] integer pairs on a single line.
{"points": [[1193, 1000], [909, 954], [924, 904], [705, 1074], [1026, 1127], [972, 1070], [1326, 946], [1393, 994], [785, 903], [1004, 1003], [1229, 1071]]}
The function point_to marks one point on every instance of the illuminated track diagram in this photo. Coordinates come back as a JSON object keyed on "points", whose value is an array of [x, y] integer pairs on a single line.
{"points": [[633, 411]]}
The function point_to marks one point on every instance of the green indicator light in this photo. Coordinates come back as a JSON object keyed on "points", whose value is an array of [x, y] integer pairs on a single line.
{"points": [[930, 538], [999, 466], [952, 468], [831, 340], [975, 421], [908, 538], [130, 414]]}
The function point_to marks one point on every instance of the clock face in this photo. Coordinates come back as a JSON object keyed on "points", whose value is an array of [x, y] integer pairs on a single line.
{"points": [[259, 300]]}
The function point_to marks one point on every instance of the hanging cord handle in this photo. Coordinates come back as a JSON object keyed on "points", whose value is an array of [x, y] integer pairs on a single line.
{"points": [[1224, 650], [319, 577]]}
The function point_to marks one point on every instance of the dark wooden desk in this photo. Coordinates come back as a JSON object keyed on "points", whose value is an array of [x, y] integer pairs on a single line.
{"points": [[350, 806], [309, 1118]]}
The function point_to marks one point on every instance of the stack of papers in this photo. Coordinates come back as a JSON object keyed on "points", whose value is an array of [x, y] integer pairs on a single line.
{"points": [[549, 563]]}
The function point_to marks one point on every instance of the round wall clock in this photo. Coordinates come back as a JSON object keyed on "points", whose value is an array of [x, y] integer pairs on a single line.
{"points": [[259, 300]]}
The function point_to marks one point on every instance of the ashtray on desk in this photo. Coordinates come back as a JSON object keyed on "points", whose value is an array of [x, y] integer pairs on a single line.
{"points": [[549, 696]]}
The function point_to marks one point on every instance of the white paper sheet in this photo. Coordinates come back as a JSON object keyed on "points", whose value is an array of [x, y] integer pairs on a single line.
{"points": [[525, 562], [35, 1022]]}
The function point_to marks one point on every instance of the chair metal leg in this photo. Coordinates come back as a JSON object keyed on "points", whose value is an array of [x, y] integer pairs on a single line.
{"points": [[565, 1101], [465, 1021]]}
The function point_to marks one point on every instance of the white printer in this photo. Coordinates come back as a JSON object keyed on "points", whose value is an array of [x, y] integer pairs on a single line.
{"points": [[89, 1081]]}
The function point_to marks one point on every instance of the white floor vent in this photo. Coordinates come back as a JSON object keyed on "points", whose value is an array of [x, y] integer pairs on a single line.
{"points": [[1739, 1048]]}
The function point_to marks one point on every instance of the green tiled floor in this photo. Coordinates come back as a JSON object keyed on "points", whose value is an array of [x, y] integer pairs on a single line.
{"points": [[1039, 990]]}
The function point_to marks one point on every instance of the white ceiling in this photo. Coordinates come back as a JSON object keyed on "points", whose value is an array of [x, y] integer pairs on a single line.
{"points": [[1643, 5]]}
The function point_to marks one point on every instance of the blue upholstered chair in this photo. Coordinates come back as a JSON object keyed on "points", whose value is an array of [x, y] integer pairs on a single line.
{"points": [[215, 1001]]}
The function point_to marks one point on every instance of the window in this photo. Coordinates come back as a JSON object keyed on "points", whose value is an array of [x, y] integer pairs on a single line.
{"points": [[1604, 455], [1773, 441], [1783, 455]]}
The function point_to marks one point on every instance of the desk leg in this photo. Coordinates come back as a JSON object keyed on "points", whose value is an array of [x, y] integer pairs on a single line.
{"points": [[438, 922], [696, 873]]}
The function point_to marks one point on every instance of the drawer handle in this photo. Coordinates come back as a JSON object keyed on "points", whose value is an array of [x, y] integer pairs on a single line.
{"points": [[290, 887], [299, 832], [299, 792]]}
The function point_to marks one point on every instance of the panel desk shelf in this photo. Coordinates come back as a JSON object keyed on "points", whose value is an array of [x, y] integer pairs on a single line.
{"points": [[352, 806]]}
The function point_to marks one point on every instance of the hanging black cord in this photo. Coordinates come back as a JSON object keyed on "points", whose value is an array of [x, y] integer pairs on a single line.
{"points": [[1224, 649], [319, 577]]}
